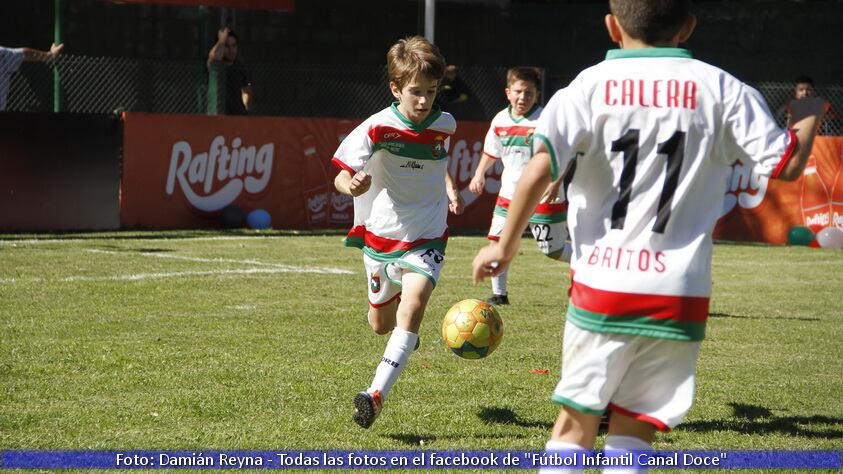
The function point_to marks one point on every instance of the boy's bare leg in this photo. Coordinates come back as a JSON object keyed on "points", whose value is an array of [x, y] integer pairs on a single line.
{"points": [[408, 313], [575, 427], [415, 293], [382, 319], [622, 425]]}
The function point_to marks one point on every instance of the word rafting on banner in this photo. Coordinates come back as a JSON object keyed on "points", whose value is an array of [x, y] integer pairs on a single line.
{"points": [[417, 459]]}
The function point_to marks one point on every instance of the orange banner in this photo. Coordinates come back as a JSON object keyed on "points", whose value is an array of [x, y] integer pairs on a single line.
{"points": [[183, 171], [760, 210]]}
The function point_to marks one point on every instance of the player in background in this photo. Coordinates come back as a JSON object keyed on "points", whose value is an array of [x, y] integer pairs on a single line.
{"points": [[509, 139], [394, 164], [655, 133]]}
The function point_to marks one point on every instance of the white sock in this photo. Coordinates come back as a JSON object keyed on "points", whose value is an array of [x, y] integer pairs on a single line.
{"points": [[626, 444], [398, 350], [561, 446], [499, 283]]}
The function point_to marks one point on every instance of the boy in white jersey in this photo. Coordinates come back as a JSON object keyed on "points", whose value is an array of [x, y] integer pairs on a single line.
{"points": [[654, 133], [509, 139], [394, 164]]}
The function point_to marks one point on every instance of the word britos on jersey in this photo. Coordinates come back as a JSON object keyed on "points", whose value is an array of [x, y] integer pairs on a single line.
{"points": [[223, 173]]}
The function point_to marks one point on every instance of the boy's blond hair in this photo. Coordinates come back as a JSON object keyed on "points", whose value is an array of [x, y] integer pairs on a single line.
{"points": [[526, 74], [654, 22], [412, 56]]}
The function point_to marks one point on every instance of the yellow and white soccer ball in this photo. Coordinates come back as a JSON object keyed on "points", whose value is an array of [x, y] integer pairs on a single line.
{"points": [[472, 329]]}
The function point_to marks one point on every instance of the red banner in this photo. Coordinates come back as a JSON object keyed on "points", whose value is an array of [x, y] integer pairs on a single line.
{"points": [[182, 171], [757, 209]]}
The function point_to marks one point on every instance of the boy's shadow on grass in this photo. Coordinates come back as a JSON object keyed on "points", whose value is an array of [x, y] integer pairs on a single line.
{"points": [[753, 419], [726, 315], [487, 415]]}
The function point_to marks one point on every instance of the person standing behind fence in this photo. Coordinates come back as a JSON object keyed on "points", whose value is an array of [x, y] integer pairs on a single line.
{"points": [[803, 86], [238, 89], [11, 59]]}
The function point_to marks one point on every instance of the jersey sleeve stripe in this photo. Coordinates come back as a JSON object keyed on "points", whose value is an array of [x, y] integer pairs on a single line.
{"points": [[339, 164], [554, 166], [491, 156], [788, 154]]}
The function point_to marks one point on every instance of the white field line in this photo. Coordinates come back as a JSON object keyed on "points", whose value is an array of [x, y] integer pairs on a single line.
{"points": [[14, 242], [285, 268], [149, 276]]}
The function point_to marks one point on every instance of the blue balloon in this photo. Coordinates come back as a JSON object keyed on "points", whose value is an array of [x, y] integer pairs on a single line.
{"points": [[259, 219]]}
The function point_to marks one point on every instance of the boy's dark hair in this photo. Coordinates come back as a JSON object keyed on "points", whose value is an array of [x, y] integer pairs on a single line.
{"points": [[804, 80], [526, 74], [651, 21]]}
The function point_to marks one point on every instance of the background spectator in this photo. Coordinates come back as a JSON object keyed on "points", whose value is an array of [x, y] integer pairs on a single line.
{"points": [[11, 59], [238, 89]]}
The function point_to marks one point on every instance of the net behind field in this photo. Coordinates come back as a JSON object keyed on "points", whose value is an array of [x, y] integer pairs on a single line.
{"points": [[105, 85]]}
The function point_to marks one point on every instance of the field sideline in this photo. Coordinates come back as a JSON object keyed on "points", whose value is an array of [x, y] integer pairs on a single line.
{"points": [[257, 341]]}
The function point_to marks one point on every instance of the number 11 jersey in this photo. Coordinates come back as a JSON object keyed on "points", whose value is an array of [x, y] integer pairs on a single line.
{"points": [[654, 133]]}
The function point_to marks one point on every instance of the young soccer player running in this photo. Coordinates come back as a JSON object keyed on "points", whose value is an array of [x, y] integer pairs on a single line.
{"points": [[655, 133], [509, 139], [394, 164]]}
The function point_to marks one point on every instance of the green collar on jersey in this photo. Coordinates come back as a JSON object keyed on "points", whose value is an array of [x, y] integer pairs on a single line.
{"points": [[434, 114], [529, 113], [649, 53]]}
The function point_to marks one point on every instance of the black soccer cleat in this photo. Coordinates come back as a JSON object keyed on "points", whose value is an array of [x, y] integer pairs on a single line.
{"points": [[497, 300], [367, 407]]}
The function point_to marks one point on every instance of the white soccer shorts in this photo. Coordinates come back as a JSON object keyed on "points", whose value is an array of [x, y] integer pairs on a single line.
{"points": [[649, 379], [385, 276], [550, 238]]}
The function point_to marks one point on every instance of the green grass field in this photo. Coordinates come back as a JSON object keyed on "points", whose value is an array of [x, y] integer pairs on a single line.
{"points": [[258, 341]]}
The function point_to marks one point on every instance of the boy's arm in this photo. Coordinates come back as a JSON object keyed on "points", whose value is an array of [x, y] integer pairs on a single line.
{"points": [[495, 258], [352, 185], [217, 50], [805, 117], [455, 201], [478, 182], [30, 54]]}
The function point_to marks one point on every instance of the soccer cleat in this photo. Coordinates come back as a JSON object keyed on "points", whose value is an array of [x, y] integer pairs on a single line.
{"points": [[497, 300], [367, 407]]}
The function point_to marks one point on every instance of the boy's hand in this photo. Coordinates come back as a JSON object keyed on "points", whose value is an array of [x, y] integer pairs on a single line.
{"points": [[477, 184], [490, 261], [222, 35], [55, 50], [360, 183], [456, 204]]}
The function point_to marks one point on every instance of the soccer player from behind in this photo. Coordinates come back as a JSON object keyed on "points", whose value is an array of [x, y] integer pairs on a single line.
{"points": [[509, 139], [394, 164], [654, 133]]}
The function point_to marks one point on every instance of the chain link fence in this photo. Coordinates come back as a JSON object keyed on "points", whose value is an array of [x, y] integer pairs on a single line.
{"points": [[107, 85]]}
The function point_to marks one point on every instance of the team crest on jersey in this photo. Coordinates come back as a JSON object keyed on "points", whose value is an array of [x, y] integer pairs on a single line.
{"points": [[529, 138], [438, 146], [375, 283]]}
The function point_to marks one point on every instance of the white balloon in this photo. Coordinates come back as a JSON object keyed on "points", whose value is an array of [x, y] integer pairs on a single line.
{"points": [[830, 238]]}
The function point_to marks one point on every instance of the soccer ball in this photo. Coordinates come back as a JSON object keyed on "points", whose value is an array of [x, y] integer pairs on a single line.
{"points": [[472, 329]]}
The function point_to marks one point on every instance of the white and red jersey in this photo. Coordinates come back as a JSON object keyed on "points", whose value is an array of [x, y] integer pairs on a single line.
{"points": [[510, 139], [406, 206], [654, 133]]}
